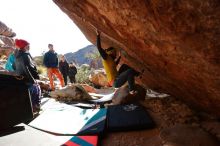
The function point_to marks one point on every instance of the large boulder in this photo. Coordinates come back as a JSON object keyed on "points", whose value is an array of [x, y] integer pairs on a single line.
{"points": [[98, 78], [176, 42], [122, 96], [89, 88], [6, 31], [71, 93], [6, 39], [44, 86]]}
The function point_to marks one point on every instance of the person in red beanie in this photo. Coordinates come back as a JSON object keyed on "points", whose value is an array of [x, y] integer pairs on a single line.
{"points": [[25, 66], [21, 44]]}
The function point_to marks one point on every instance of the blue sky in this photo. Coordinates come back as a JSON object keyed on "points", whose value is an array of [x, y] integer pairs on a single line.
{"points": [[41, 22]]}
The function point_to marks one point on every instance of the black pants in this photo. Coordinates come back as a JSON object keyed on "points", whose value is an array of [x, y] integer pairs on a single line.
{"points": [[72, 79], [65, 78], [127, 75]]}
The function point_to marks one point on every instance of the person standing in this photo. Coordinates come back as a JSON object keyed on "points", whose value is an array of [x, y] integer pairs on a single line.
{"points": [[51, 62], [72, 72], [25, 66], [64, 68], [10, 61]]}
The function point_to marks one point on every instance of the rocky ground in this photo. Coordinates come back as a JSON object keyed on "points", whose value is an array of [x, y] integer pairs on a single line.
{"points": [[177, 125]]}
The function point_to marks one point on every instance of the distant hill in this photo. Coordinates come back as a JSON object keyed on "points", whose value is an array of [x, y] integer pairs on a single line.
{"points": [[87, 55], [84, 56]]}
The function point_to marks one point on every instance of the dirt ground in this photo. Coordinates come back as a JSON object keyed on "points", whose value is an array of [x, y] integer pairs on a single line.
{"points": [[167, 113]]}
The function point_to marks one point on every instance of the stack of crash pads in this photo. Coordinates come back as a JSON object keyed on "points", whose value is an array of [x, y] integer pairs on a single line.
{"points": [[119, 118], [82, 141], [86, 125], [22, 135], [62, 119]]}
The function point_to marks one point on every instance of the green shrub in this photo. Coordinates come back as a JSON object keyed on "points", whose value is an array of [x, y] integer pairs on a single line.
{"points": [[42, 70], [83, 73], [38, 60]]}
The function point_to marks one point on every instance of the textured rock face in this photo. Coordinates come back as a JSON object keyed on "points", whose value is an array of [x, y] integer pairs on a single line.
{"points": [[74, 92], [98, 78], [6, 40], [122, 95], [175, 41]]}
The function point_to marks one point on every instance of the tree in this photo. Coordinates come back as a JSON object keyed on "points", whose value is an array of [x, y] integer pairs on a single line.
{"points": [[95, 57]]}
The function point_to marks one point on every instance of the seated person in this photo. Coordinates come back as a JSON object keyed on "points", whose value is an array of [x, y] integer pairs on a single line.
{"points": [[25, 66]]}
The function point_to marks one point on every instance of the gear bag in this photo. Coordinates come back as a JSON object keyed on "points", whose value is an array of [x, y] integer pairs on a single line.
{"points": [[15, 103]]}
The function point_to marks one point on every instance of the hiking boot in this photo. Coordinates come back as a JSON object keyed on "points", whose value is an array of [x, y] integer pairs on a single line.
{"points": [[36, 108]]}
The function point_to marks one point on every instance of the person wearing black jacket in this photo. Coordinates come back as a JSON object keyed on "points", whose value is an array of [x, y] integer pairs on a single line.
{"points": [[25, 66], [123, 75], [51, 62], [109, 60], [64, 68], [72, 72]]}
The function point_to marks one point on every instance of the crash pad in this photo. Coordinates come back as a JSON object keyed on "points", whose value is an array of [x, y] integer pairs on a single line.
{"points": [[103, 97], [62, 119], [128, 117], [23, 135], [82, 141]]}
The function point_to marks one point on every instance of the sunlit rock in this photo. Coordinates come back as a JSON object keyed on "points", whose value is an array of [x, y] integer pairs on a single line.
{"points": [[176, 42], [98, 78], [122, 95], [70, 93]]}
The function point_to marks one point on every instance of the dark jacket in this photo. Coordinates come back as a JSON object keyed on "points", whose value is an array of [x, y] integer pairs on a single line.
{"points": [[64, 67], [100, 49], [72, 71], [25, 66], [50, 59], [102, 52]]}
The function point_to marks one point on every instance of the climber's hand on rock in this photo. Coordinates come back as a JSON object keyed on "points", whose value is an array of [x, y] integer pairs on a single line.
{"points": [[119, 53], [97, 32]]}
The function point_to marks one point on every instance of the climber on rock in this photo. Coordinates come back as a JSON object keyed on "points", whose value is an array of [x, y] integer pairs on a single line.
{"points": [[110, 62]]}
